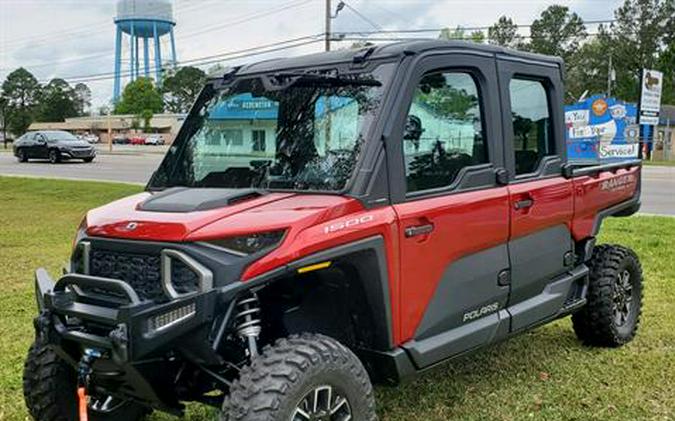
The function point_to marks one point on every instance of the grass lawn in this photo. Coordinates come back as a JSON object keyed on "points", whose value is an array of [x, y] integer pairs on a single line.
{"points": [[542, 375], [659, 163]]}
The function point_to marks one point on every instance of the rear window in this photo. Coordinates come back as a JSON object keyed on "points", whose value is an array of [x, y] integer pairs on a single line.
{"points": [[532, 138]]}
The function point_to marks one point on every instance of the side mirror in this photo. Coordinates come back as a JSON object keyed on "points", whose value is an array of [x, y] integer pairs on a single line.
{"points": [[502, 176]]}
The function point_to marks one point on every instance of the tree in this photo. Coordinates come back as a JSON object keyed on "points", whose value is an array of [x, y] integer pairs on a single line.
{"points": [[142, 99], [459, 33], [447, 33], [181, 89], [591, 67], [82, 98], [505, 33], [639, 39], [57, 101], [477, 37], [667, 65], [557, 32], [21, 91], [3, 118]]}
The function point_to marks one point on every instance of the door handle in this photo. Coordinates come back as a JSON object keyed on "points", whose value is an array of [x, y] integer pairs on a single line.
{"points": [[523, 204], [418, 230]]}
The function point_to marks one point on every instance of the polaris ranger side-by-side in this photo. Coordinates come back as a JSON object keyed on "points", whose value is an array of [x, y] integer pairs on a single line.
{"points": [[328, 220]]}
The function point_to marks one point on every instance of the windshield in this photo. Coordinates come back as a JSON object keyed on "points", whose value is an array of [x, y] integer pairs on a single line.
{"points": [[60, 137], [282, 131]]}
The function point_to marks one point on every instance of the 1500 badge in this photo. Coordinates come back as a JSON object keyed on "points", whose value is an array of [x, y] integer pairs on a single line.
{"points": [[347, 224]]}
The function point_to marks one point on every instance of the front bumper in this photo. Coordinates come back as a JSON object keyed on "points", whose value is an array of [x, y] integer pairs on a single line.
{"points": [[78, 153], [126, 328]]}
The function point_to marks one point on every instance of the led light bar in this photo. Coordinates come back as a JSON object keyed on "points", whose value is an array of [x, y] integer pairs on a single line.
{"points": [[171, 318]]}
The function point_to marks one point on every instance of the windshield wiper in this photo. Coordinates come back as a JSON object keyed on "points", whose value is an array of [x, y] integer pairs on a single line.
{"points": [[295, 78]]}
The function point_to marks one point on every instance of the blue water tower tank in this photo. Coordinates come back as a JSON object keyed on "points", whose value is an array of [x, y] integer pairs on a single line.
{"points": [[142, 21]]}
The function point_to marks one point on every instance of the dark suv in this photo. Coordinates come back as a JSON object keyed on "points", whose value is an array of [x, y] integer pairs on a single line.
{"points": [[55, 145]]}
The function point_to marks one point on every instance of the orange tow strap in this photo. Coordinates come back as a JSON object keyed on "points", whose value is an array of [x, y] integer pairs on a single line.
{"points": [[82, 401]]}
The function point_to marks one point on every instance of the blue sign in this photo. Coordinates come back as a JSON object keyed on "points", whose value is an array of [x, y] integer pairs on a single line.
{"points": [[600, 128]]}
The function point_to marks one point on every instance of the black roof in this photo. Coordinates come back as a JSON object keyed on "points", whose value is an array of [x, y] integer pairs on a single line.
{"points": [[389, 50]]}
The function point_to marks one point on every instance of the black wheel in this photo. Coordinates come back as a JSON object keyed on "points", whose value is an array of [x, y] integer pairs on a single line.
{"points": [[54, 156], [49, 389], [302, 378], [21, 155], [612, 314], [88, 160]]}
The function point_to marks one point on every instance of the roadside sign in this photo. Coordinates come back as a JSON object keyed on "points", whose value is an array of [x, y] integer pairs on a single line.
{"points": [[601, 129], [650, 97]]}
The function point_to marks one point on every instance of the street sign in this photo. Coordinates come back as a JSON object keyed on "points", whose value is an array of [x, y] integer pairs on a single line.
{"points": [[650, 97]]}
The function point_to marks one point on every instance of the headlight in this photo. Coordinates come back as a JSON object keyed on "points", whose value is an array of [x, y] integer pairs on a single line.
{"points": [[249, 244]]}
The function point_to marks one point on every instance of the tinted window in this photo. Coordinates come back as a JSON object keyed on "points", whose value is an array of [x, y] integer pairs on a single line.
{"points": [[532, 138], [443, 131]]}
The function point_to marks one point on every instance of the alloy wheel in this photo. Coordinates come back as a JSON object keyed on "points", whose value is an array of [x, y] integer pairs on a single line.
{"points": [[623, 298], [324, 403]]}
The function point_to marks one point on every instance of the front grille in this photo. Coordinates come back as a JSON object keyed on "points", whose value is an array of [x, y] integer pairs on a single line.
{"points": [[143, 272]]}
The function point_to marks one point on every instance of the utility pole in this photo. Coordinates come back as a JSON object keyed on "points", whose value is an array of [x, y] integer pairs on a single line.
{"points": [[328, 19]]}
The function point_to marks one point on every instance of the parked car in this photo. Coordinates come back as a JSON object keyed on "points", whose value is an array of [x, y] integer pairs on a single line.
{"points": [[154, 139], [91, 138], [54, 145], [120, 139], [279, 289], [137, 140]]}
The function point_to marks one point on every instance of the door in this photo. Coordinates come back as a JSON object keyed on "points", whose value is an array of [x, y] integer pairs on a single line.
{"points": [[453, 217], [540, 243], [39, 148]]}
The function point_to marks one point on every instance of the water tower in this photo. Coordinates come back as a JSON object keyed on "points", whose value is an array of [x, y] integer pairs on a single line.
{"points": [[142, 21]]}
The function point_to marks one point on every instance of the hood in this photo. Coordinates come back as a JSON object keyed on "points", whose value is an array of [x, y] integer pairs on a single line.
{"points": [[181, 214]]}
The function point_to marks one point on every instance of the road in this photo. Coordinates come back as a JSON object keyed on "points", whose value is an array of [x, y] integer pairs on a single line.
{"points": [[124, 168], [658, 187]]}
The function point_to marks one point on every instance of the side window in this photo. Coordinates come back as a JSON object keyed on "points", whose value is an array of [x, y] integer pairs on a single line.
{"points": [[444, 131], [532, 139]]}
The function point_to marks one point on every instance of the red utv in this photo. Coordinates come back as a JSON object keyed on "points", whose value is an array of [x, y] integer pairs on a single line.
{"points": [[326, 221]]}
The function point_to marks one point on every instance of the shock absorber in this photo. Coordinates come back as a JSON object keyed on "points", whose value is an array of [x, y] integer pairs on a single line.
{"points": [[247, 321]]}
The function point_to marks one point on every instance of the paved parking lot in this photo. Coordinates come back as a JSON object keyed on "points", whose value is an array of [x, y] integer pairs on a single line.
{"points": [[658, 188]]}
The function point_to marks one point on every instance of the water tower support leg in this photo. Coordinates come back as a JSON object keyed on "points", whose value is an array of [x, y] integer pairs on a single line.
{"points": [[118, 64], [147, 57], [158, 55], [173, 48], [138, 59], [131, 47]]}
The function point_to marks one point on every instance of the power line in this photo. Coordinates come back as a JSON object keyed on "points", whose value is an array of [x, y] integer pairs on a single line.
{"points": [[363, 17], [367, 38], [225, 56], [464, 28], [246, 18]]}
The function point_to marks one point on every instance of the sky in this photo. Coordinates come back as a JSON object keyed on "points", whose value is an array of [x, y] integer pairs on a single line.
{"points": [[69, 38]]}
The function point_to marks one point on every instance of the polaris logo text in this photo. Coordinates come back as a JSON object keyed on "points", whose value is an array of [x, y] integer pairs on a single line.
{"points": [[347, 224], [483, 311]]}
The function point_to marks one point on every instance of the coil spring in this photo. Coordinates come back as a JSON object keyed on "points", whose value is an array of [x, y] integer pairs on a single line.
{"points": [[247, 319]]}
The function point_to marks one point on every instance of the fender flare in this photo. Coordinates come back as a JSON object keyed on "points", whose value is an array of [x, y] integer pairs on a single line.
{"points": [[368, 255]]}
